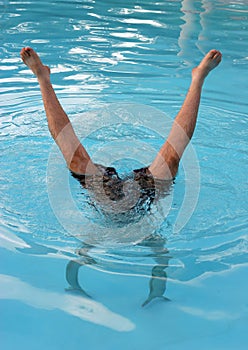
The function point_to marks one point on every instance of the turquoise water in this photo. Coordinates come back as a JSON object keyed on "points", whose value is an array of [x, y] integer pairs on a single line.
{"points": [[138, 57]]}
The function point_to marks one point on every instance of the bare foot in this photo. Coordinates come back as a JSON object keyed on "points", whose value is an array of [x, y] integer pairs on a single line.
{"points": [[209, 62], [32, 60]]}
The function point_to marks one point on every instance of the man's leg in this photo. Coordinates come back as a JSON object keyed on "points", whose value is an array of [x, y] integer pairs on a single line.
{"points": [[166, 163], [75, 155]]}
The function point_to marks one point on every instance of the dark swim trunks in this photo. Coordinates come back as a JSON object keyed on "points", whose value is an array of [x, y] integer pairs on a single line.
{"points": [[114, 187]]}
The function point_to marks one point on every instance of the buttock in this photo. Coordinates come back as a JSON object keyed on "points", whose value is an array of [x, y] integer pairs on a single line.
{"points": [[113, 184]]}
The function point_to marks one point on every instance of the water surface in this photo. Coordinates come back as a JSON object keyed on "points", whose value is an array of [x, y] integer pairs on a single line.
{"points": [[104, 52]]}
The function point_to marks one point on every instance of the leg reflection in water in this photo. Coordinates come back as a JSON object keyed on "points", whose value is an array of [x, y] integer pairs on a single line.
{"points": [[157, 283], [72, 269], [158, 279]]}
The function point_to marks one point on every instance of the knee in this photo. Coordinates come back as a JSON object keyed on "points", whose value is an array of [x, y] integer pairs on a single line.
{"points": [[173, 163]]}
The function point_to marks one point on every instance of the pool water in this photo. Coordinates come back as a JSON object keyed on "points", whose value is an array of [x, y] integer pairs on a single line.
{"points": [[68, 280]]}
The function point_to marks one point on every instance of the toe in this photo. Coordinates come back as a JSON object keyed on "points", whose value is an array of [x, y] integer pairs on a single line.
{"points": [[212, 53], [218, 55], [22, 52], [28, 51]]}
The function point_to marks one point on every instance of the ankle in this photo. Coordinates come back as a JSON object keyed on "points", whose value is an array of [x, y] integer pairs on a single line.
{"points": [[43, 79], [43, 74], [198, 75]]}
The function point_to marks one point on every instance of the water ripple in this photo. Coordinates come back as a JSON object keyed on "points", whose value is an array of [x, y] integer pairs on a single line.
{"points": [[100, 53]]}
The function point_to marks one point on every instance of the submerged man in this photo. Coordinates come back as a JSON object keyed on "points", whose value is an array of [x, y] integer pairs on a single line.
{"points": [[165, 164]]}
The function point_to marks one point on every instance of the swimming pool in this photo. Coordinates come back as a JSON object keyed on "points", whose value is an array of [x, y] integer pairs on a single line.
{"points": [[135, 57]]}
